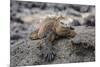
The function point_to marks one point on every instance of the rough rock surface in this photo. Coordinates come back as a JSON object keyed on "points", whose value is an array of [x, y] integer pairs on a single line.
{"points": [[24, 52]]}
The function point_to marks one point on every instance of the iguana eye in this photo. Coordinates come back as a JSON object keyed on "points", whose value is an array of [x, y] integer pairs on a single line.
{"points": [[71, 28], [61, 22]]}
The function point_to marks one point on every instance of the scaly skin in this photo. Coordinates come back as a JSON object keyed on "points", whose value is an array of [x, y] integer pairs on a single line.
{"points": [[48, 31]]}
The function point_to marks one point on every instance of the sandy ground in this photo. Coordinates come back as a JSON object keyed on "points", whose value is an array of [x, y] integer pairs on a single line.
{"points": [[24, 52]]}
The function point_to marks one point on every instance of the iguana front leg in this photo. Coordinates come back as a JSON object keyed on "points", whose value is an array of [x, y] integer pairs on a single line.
{"points": [[47, 53], [47, 50]]}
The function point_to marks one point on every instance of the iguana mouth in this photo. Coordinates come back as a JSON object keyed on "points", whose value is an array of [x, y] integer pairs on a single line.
{"points": [[71, 28]]}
